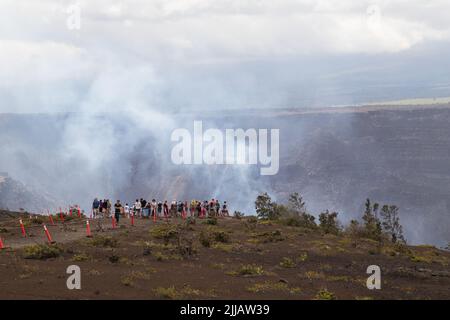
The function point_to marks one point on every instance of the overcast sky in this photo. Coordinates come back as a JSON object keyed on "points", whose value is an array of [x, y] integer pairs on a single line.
{"points": [[181, 54]]}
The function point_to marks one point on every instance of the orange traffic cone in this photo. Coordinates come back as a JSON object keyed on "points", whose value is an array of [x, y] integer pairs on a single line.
{"points": [[79, 212], [47, 233], [22, 227], [50, 216], [1, 244], [113, 221], [88, 229], [61, 216]]}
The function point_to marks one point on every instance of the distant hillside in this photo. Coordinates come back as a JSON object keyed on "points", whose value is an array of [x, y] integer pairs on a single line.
{"points": [[15, 195]]}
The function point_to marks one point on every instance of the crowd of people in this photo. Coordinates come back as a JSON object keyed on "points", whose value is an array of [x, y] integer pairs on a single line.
{"points": [[142, 208]]}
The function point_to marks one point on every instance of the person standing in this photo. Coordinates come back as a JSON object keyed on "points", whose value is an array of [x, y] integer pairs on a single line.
{"points": [[199, 208], [192, 208], [127, 210], [225, 209], [153, 207], [217, 207], [160, 207], [212, 207], [166, 209], [95, 206], [180, 209], [146, 209], [143, 203], [137, 207], [173, 208], [117, 211]]}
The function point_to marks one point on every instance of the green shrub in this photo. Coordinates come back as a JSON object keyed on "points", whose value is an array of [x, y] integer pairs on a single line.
{"points": [[303, 220], [324, 294], [37, 220], [168, 293], [160, 256], [251, 223], [270, 286], [103, 241], [267, 237], [80, 257], [303, 257], [173, 293], [287, 263], [250, 269], [221, 236], [211, 221], [41, 251], [127, 281], [68, 218], [205, 239], [190, 221], [291, 221], [165, 232], [113, 258]]}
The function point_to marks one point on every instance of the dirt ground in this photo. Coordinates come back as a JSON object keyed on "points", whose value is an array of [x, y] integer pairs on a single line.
{"points": [[233, 259]]}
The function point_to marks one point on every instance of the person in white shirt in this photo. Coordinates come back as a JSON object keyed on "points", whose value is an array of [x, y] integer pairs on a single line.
{"points": [[153, 206], [137, 206], [127, 210]]}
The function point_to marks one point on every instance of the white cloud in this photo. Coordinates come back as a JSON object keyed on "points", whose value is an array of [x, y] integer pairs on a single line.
{"points": [[239, 27], [37, 47]]}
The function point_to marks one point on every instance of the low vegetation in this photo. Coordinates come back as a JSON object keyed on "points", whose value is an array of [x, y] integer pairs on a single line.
{"points": [[165, 232], [268, 237], [103, 241], [271, 286], [248, 270], [324, 294], [80, 257], [41, 251], [287, 263], [173, 293], [130, 278], [210, 236], [211, 221]]}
